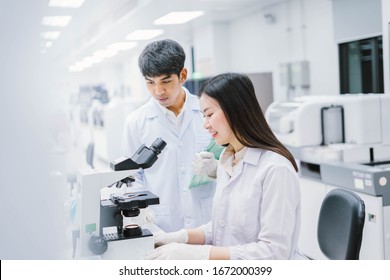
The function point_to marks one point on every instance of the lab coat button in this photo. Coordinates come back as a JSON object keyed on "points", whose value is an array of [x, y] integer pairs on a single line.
{"points": [[227, 190], [222, 223]]}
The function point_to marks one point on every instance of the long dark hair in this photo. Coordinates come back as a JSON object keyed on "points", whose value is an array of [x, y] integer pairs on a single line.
{"points": [[236, 95]]}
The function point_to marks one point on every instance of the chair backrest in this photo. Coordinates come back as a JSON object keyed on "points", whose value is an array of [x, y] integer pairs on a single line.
{"points": [[340, 225]]}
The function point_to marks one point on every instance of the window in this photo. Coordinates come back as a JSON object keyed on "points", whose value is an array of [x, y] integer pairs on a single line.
{"points": [[361, 66], [194, 85]]}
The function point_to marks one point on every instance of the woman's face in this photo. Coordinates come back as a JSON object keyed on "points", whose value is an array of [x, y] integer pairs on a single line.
{"points": [[215, 121]]}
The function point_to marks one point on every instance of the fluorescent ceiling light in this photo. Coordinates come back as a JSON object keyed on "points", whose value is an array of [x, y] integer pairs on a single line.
{"points": [[66, 3], [85, 64], [178, 17], [144, 34], [92, 60], [122, 46], [57, 21], [75, 68], [100, 55], [48, 44], [105, 53], [50, 35]]}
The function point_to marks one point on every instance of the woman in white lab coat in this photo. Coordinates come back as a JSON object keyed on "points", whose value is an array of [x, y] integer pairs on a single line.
{"points": [[173, 114], [256, 207]]}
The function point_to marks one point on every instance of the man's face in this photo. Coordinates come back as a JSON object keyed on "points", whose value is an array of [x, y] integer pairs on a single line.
{"points": [[166, 89]]}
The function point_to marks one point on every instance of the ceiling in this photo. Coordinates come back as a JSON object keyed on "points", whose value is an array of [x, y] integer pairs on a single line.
{"points": [[98, 23]]}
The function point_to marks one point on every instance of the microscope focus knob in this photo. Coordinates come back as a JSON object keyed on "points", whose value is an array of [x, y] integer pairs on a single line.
{"points": [[98, 245]]}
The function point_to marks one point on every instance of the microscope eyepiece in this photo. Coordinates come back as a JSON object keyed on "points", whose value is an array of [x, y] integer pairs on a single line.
{"points": [[144, 157], [157, 146]]}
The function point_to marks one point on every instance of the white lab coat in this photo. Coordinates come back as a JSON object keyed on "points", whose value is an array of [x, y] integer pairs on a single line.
{"points": [[169, 177], [256, 212]]}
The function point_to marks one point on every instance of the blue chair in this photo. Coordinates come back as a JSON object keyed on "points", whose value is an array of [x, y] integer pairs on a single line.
{"points": [[340, 225]]}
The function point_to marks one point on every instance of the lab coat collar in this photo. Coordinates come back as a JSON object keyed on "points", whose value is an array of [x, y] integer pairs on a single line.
{"points": [[191, 104], [191, 107], [252, 156]]}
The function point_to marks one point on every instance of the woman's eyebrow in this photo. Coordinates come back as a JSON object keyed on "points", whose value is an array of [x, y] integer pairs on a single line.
{"points": [[208, 108]]}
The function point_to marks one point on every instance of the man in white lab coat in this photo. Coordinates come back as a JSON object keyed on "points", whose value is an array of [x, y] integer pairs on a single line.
{"points": [[173, 114]]}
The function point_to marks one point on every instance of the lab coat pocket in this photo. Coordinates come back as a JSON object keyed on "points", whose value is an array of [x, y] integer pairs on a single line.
{"points": [[163, 217], [206, 205], [243, 234]]}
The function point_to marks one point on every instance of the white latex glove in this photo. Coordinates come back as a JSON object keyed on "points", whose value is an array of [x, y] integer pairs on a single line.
{"points": [[179, 251], [180, 236], [204, 163]]}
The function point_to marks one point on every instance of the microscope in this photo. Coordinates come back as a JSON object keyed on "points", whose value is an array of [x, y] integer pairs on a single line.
{"points": [[102, 231]]}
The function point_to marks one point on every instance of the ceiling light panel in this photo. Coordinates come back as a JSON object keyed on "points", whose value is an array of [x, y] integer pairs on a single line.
{"points": [[178, 17], [57, 21], [105, 53], [122, 46], [48, 44], [144, 34], [50, 35], [66, 3]]}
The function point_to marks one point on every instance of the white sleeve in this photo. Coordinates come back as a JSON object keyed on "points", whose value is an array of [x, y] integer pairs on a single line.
{"points": [[278, 217]]}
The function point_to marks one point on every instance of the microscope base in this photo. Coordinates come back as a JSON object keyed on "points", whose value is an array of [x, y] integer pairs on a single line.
{"points": [[129, 248]]}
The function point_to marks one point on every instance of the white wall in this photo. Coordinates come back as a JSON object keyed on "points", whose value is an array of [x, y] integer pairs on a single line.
{"points": [[356, 19], [386, 40], [322, 50], [204, 50], [303, 30]]}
